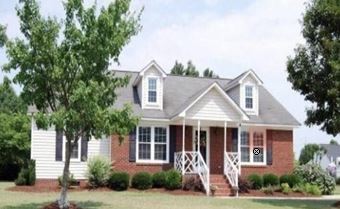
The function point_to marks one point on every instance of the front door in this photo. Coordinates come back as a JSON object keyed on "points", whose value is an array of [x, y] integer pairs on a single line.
{"points": [[204, 143]]}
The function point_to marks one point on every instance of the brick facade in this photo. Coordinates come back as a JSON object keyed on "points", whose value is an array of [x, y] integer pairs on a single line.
{"points": [[282, 145]]}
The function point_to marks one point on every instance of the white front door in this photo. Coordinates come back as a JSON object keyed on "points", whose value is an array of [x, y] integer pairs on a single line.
{"points": [[204, 143]]}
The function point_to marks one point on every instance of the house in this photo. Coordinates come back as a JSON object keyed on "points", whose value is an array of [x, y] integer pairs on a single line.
{"points": [[330, 154], [216, 128]]}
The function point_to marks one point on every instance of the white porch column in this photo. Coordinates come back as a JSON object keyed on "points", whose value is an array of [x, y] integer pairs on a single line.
{"points": [[183, 145], [239, 147], [225, 138], [199, 136]]}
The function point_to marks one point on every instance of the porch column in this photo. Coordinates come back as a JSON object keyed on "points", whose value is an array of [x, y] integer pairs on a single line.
{"points": [[225, 138], [183, 145], [198, 136], [239, 147]]}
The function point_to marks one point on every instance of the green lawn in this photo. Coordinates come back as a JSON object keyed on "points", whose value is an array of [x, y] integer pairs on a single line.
{"points": [[142, 200]]}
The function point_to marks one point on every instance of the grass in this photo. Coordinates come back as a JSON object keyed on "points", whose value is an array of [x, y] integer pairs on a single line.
{"points": [[147, 200]]}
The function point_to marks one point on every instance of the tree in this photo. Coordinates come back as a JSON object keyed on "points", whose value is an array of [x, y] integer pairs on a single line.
{"points": [[177, 69], [14, 132], [191, 70], [307, 153], [63, 68], [3, 37], [209, 73], [314, 71], [9, 101], [333, 141]]}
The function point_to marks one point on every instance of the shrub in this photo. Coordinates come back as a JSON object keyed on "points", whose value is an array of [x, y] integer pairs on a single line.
{"points": [[292, 180], [71, 181], [192, 183], [173, 180], [270, 179], [255, 181], [312, 189], [119, 181], [26, 175], [243, 185], [285, 188], [313, 174], [142, 181], [338, 181], [158, 179], [98, 171], [268, 190], [298, 188]]}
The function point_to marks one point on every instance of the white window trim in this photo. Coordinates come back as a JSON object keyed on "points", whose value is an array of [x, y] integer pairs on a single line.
{"points": [[252, 97], [79, 151], [254, 110], [251, 147], [152, 150], [155, 104]]}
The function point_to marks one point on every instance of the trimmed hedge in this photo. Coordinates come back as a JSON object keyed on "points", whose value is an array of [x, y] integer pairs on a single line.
{"points": [[173, 180], [256, 181], [291, 179], [141, 181], [158, 179], [119, 181], [270, 179]]}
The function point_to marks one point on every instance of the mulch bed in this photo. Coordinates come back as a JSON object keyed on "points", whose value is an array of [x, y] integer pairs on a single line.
{"points": [[337, 204], [258, 193], [54, 205], [44, 189]]}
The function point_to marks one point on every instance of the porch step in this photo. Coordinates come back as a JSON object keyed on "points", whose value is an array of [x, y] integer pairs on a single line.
{"points": [[222, 185]]}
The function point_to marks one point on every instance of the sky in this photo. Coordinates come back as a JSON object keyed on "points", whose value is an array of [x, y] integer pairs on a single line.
{"points": [[228, 36]]}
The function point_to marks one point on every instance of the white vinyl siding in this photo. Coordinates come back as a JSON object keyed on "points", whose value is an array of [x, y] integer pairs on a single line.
{"points": [[213, 106], [43, 151]]}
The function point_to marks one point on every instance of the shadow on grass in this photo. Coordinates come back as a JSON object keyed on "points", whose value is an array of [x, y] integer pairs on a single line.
{"points": [[299, 204], [82, 204]]}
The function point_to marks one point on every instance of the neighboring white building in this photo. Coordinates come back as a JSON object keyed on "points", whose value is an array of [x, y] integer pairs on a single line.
{"points": [[330, 155]]}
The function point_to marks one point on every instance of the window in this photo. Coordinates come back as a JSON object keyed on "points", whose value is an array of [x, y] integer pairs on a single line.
{"points": [[253, 147], [144, 145], [245, 147], [75, 153], [249, 97], [152, 144], [160, 143], [152, 90], [258, 143]]}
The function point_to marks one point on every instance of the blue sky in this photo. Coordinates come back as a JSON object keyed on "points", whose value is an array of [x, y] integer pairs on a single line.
{"points": [[227, 36]]}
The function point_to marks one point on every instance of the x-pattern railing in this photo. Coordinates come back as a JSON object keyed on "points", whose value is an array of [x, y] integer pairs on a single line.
{"points": [[193, 164], [231, 170]]}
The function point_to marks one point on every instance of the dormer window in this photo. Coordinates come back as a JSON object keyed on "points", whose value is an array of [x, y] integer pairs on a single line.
{"points": [[152, 90], [249, 97]]}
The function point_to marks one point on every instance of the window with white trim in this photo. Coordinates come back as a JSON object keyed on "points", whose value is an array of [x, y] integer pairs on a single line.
{"points": [[249, 100], [75, 152], [144, 143], [152, 90], [250, 140], [153, 144]]}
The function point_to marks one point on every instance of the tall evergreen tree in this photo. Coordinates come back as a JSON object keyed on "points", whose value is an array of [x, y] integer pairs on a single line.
{"points": [[209, 73], [190, 70], [314, 71], [177, 69]]}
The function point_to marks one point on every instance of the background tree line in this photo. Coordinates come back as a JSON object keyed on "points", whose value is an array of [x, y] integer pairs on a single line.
{"points": [[190, 70]]}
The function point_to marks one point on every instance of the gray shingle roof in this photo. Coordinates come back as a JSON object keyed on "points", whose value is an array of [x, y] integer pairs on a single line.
{"points": [[180, 90], [332, 150]]}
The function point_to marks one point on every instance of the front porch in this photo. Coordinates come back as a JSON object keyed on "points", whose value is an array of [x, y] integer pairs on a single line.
{"points": [[209, 150]]}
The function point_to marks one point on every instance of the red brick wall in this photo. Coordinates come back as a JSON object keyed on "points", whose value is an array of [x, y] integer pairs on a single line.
{"points": [[282, 153], [120, 153], [283, 156]]}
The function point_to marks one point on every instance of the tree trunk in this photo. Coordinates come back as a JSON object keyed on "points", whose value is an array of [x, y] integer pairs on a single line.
{"points": [[63, 201]]}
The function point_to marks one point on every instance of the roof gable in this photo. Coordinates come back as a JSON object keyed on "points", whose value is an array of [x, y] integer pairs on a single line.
{"points": [[215, 86], [239, 79]]}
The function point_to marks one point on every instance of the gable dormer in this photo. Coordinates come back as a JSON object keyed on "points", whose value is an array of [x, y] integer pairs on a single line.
{"points": [[245, 90], [149, 84]]}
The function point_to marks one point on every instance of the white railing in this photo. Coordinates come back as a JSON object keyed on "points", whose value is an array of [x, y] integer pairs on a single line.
{"points": [[193, 163], [231, 168]]}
